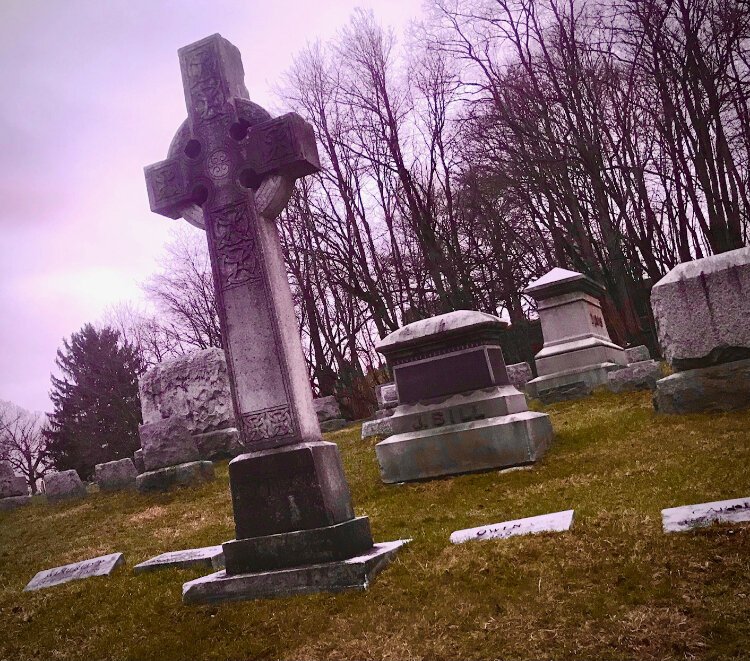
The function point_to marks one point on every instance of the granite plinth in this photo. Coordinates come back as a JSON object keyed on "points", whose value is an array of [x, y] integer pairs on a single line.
{"points": [[12, 502], [182, 475], [301, 547], [500, 442], [377, 427], [353, 574], [571, 384], [290, 488], [208, 556], [642, 375], [724, 387]]}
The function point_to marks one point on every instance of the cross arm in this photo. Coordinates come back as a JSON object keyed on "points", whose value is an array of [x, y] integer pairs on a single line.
{"points": [[285, 145], [168, 187]]}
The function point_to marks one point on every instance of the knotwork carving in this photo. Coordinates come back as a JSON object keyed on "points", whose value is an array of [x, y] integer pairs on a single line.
{"points": [[235, 245], [205, 83], [167, 182], [270, 423]]}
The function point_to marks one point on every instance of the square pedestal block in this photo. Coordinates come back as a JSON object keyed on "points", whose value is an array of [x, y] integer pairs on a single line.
{"points": [[511, 440], [302, 547], [352, 574]]}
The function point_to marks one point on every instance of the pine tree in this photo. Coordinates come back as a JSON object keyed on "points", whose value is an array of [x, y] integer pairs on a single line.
{"points": [[96, 405]]}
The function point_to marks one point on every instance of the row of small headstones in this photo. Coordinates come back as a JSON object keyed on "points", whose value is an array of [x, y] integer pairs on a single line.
{"points": [[675, 519]]}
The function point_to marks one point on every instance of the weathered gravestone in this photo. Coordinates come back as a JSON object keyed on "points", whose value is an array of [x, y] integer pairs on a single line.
{"points": [[578, 353], [457, 412], [194, 389], [329, 414], [208, 556], [687, 517], [555, 522], [13, 488], [519, 374], [104, 565], [380, 423], [231, 169], [64, 485], [116, 475], [702, 313]]}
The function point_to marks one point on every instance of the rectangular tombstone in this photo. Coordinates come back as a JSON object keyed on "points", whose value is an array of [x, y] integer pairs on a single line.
{"points": [[63, 485], [387, 395], [10, 483], [104, 565], [208, 556], [555, 522], [116, 475], [687, 517], [167, 443]]}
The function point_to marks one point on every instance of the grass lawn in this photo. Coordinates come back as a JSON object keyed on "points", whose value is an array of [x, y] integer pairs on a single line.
{"points": [[614, 587]]}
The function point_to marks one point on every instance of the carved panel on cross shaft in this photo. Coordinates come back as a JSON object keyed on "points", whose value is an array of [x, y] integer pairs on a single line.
{"points": [[235, 245], [206, 90], [267, 424]]}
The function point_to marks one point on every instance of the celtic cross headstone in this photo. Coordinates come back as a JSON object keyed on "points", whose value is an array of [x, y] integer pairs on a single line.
{"points": [[231, 169]]}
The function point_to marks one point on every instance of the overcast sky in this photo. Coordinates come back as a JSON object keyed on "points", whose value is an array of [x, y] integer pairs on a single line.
{"points": [[91, 92]]}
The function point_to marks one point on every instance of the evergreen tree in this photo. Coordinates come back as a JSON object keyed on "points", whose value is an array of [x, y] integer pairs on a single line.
{"points": [[96, 404]]}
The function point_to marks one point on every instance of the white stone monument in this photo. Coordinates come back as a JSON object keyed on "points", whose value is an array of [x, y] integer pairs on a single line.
{"points": [[578, 353]]}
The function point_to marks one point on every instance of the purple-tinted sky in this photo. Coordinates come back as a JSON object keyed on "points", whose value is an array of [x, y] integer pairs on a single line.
{"points": [[91, 92]]}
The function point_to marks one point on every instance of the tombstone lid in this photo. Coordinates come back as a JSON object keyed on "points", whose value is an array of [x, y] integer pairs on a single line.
{"points": [[706, 265], [460, 325], [562, 281]]}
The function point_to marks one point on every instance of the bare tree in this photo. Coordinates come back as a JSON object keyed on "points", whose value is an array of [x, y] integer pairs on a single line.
{"points": [[22, 442]]}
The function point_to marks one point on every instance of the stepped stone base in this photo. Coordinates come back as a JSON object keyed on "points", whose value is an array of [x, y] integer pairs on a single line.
{"points": [[466, 447], [12, 502], [183, 475], [570, 384], [723, 387], [353, 574]]}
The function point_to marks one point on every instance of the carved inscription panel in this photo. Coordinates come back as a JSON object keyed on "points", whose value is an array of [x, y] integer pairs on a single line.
{"points": [[236, 248]]}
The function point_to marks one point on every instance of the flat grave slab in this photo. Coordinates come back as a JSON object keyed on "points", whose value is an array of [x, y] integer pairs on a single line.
{"points": [[687, 517], [352, 574], [104, 565], [555, 522], [207, 556]]}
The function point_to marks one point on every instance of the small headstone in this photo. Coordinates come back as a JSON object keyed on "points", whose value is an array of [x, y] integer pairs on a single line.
{"points": [[578, 352], [140, 465], [12, 502], [116, 475], [458, 412], [326, 408], [181, 475], [636, 376], [687, 517], [10, 483], [701, 309], [208, 556], [519, 374], [387, 395], [63, 486], [167, 443], [637, 354], [104, 565], [556, 522], [377, 427]]}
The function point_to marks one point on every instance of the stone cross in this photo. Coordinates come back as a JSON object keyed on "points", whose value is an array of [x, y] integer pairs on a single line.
{"points": [[231, 168]]}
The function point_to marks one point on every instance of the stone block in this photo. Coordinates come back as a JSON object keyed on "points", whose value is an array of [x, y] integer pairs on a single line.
{"points": [[140, 465], [724, 387], [555, 522], [182, 475], [63, 485], [492, 443], [387, 395], [193, 388], [519, 374], [353, 574], [687, 517], [636, 376], [104, 565], [12, 502], [167, 443], [116, 475], [333, 425], [326, 408], [378, 427], [293, 488], [10, 483], [208, 556], [702, 309], [637, 354], [219, 444], [300, 547]]}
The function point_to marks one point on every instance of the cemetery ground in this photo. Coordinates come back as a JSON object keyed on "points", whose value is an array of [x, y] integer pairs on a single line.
{"points": [[613, 587]]}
